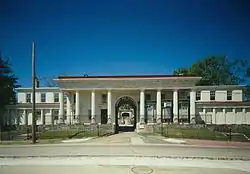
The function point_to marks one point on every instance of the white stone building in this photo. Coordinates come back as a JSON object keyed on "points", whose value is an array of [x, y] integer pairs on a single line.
{"points": [[131, 101]]}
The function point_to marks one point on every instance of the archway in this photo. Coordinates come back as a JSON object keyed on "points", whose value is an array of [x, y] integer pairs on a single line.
{"points": [[125, 114]]}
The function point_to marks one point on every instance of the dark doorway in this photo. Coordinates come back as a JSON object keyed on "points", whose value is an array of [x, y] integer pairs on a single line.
{"points": [[104, 116], [125, 114]]}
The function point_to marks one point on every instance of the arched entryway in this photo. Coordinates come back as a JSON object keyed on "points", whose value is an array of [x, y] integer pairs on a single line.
{"points": [[125, 114]]}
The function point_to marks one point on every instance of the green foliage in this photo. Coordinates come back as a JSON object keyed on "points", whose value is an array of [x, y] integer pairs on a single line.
{"points": [[218, 70], [8, 83]]}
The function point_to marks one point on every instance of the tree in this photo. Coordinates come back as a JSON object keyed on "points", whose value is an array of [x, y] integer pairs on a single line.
{"points": [[218, 70], [8, 83]]}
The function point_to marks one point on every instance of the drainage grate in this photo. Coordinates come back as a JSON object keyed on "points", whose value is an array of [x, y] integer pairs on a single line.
{"points": [[142, 170]]}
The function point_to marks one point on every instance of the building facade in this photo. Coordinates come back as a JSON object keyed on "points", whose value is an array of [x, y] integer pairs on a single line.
{"points": [[130, 101]]}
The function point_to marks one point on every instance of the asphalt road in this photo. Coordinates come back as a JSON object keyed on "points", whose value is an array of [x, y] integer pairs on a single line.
{"points": [[120, 165], [121, 150]]}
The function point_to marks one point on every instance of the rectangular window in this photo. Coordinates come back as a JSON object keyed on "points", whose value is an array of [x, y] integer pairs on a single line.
{"points": [[28, 98], [147, 97], [74, 98], [55, 114], [198, 95], [43, 97], [56, 97], [229, 95], [104, 98], [89, 113], [163, 96], [38, 115], [212, 95]]}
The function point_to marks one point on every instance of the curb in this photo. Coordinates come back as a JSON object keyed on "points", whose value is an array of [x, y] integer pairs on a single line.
{"points": [[135, 156]]}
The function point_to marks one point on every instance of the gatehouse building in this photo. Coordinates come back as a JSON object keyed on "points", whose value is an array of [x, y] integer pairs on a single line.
{"points": [[130, 101]]}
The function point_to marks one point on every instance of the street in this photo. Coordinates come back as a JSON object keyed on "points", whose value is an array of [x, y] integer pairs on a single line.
{"points": [[122, 153]]}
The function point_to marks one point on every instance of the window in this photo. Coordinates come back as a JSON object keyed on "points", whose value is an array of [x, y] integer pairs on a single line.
{"points": [[212, 95], [74, 98], [56, 97], [163, 96], [55, 114], [89, 114], [104, 98], [147, 97], [38, 115], [43, 97], [28, 98], [229, 95], [198, 95]]}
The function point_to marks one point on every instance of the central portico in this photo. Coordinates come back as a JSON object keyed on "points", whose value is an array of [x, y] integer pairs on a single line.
{"points": [[125, 100]]}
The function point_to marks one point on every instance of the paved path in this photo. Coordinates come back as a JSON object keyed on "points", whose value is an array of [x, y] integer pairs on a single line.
{"points": [[125, 144]]}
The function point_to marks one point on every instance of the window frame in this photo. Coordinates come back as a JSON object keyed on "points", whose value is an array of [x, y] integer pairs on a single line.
{"points": [[212, 97], [28, 94], [56, 94], [43, 99]]}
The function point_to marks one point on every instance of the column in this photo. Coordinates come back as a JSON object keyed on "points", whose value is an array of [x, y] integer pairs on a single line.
{"points": [[69, 117], [224, 115], [192, 107], [175, 106], [93, 107], [25, 117], [214, 116], [52, 116], [18, 117], [42, 117], [61, 109], [158, 106], [109, 107], [142, 106], [77, 105]]}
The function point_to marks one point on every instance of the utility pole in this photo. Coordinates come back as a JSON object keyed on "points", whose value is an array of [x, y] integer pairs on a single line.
{"points": [[33, 95]]}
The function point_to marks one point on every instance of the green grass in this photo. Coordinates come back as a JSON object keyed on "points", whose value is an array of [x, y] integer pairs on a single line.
{"points": [[189, 133]]}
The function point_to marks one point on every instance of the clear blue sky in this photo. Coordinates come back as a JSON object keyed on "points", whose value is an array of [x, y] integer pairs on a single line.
{"points": [[120, 36]]}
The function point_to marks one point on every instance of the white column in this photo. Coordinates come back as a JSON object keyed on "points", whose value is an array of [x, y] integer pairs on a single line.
{"points": [[224, 115], [61, 109], [69, 108], [93, 107], [158, 106], [109, 98], [142, 106], [42, 117], [175, 106], [192, 106], [77, 105], [214, 116], [52, 116], [25, 117]]}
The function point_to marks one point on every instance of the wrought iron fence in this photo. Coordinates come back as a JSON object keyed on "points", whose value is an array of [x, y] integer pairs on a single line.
{"points": [[55, 131]]}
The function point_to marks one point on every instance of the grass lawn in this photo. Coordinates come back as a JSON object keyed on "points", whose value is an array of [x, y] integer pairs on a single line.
{"points": [[204, 133]]}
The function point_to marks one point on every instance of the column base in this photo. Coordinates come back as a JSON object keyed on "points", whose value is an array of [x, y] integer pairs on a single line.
{"points": [[93, 121], [158, 120], [175, 120], [109, 121]]}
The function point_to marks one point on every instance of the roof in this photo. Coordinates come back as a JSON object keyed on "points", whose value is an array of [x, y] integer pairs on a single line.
{"points": [[124, 76]]}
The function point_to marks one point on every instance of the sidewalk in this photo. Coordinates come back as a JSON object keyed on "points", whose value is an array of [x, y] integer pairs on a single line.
{"points": [[219, 144]]}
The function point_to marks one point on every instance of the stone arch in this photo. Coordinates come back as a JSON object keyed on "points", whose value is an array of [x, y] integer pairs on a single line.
{"points": [[123, 101]]}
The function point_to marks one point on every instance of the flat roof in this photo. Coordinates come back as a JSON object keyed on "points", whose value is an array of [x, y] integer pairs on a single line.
{"points": [[124, 76]]}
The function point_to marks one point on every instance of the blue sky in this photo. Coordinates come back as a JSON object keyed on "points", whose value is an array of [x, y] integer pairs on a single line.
{"points": [[115, 37]]}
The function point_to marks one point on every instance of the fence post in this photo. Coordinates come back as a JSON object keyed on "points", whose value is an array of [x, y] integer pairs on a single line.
{"points": [[98, 131]]}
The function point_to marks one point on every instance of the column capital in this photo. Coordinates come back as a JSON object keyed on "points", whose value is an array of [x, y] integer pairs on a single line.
{"points": [[142, 90], [175, 90]]}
